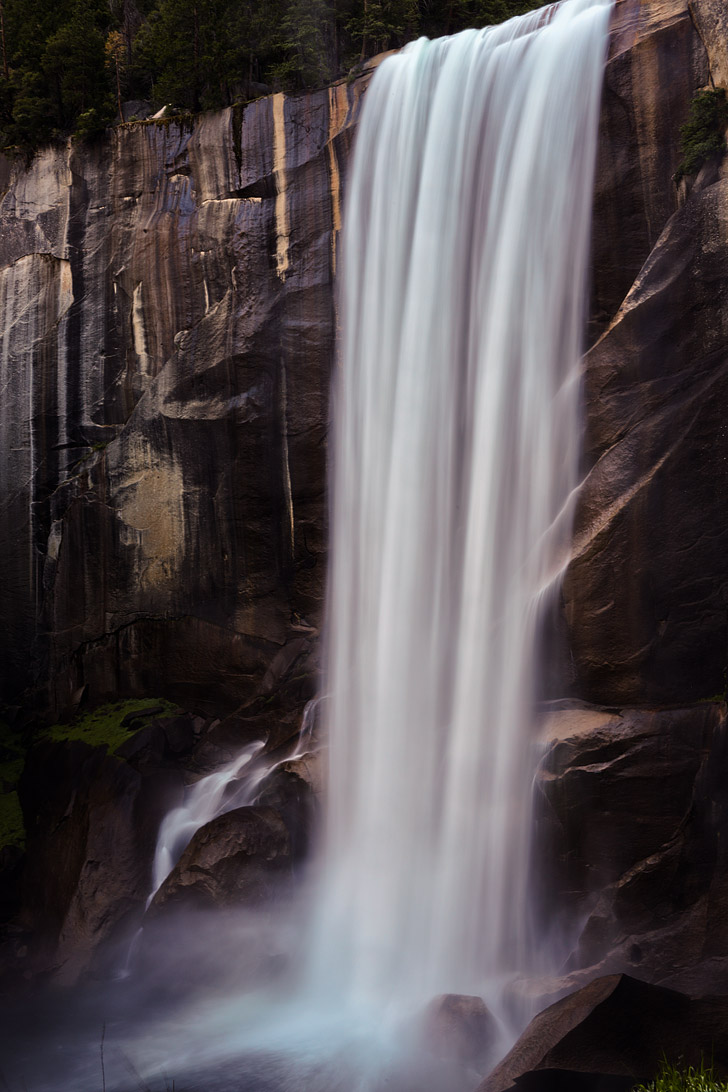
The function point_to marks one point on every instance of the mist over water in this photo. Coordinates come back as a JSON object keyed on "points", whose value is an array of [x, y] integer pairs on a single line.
{"points": [[456, 419]]}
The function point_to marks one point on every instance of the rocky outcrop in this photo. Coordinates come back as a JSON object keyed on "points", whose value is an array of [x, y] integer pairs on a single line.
{"points": [[610, 1034], [645, 594], [711, 22], [633, 821], [242, 858], [78, 895], [91, 821]]}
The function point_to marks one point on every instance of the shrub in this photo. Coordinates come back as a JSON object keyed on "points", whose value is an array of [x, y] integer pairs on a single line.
{"points": [[703, 134]]}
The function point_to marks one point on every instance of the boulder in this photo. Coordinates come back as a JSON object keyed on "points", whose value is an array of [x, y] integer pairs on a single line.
{"points": [[612, 1033], [179, 733], [460, 1028], [289, 790], [136, 109], [242, 858], [130, 720]]}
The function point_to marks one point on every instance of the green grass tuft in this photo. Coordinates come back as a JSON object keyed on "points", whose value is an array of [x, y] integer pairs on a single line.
{"points": [[672, 1078]]}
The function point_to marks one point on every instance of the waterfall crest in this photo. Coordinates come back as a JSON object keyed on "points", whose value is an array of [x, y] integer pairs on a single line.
{"points": [[457, 426]]}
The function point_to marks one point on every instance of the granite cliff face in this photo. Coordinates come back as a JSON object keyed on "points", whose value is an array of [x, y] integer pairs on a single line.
{"points": [[168, 329], [645, 593], [168, 333], [631, 801], [167, 339]]}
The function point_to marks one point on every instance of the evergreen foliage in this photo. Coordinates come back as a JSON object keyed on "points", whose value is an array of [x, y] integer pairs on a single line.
{"points": [[703, 135], [68, 65]]}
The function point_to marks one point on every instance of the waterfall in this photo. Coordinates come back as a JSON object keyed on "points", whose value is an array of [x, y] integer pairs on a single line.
{"points": [[457, 426], [232, 786], [456, 440]]}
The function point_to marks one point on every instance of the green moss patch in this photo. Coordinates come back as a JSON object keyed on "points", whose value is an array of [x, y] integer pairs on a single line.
{"points": [[104, 725], [12, 760], [12, 828]]}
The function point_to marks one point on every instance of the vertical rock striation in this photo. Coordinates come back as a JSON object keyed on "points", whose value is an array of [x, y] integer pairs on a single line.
{"points": [[165, 352], [168, 328]]}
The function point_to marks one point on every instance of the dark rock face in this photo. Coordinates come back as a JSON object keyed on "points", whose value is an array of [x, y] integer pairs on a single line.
{"points": [[91, 821], [646, 593], [241, 858], [610, 1034], [633, 823], [656, 62], [168, 329], [632, 814], [76, 896]]}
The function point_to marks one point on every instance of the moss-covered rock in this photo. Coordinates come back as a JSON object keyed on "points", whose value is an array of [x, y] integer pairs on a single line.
{"points": [[112, 724], [12, 759]]}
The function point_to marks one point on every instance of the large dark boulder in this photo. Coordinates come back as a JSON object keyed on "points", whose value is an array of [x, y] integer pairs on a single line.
{"points": [[610, 1034], [242, 858]]}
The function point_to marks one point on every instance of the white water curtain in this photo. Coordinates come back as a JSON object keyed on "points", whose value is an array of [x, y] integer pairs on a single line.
{"points": [[457, 425]]}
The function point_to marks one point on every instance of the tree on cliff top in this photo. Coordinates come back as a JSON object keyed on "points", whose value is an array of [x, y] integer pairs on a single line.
{"points": [[67, 64], [57, 69]]}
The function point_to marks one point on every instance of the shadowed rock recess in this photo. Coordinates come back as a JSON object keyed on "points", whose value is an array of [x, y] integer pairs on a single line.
{"points": [[168, 334]]}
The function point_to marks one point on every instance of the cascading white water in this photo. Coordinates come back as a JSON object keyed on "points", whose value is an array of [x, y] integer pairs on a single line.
{"points": [[232, 786], [456, 419]]}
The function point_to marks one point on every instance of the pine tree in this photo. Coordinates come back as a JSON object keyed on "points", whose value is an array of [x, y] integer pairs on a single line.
{"points": [[307, 41], [74, 62]]}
